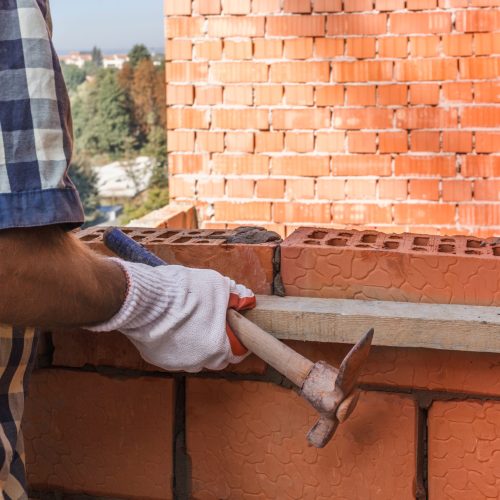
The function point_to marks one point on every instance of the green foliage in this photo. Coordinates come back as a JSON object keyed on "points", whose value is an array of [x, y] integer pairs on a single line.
{"points": [[73, 76], [97, 57], [85, 181], [155, 197], [138, 53]]}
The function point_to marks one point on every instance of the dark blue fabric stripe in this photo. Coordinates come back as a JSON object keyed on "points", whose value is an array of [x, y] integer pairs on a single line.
{"points": [[17, 469], [41, 208], [31, 362]]}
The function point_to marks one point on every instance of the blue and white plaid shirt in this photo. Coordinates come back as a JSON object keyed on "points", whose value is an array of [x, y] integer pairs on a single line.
{"points": [[35, 190]]}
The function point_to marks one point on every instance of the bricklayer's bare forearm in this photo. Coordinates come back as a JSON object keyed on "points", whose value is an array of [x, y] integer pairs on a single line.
{"points": [[49, 279]]}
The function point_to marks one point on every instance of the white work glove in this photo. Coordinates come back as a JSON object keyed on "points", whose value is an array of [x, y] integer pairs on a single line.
{"points": [[176, 316]]}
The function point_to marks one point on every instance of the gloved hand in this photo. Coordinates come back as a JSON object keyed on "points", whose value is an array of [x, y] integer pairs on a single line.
{"points": [[176, 316]]}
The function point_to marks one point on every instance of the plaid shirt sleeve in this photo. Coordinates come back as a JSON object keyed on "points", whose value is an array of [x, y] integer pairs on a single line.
{"points": [[35, 122]]}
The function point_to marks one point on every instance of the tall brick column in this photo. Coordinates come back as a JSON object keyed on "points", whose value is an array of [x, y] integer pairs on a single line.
{"points": [[378, 113]]}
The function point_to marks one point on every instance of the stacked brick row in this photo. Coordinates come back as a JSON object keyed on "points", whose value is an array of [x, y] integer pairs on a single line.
{"points": [[379, 113]]}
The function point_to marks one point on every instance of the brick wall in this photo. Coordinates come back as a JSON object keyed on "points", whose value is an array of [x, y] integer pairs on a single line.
{"points": [[377, 113]]}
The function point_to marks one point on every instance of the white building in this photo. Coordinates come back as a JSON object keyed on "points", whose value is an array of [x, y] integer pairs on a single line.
{"points": [[114, 61], [76, 58]]}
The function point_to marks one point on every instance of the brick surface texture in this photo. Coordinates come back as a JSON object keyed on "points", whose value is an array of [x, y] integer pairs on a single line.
{"points": [[386, 112]]}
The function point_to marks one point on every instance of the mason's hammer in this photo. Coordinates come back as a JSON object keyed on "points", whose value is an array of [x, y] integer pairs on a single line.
{"points": [[332, 392]]}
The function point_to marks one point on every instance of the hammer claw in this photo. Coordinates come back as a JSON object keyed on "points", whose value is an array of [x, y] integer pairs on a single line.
{"points": [[322, 431]]}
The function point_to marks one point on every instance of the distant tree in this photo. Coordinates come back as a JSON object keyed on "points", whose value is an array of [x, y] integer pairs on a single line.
{"points": [[85, 181], [137, 54], [73, 75], [97, 57]]}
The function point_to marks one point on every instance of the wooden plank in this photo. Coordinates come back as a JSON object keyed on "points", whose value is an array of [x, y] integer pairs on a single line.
{"points": [[399, 324]]}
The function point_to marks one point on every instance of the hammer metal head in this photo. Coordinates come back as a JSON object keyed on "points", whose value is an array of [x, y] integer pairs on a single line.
{"points": [[333, 392]]}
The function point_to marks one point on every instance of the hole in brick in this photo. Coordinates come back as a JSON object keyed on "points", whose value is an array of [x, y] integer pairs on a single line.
{"points": [[337, 242], [89, 237], [364, 246], [194, 233], [473, 244], [369, 238], [472, 252], [184, 239], [127, 231], [395, 237], [421, 241], [496, 251], [217, 233], [312, 242], [446, 248], [317, 235], [345, 235], [202, 241], [148, 231], [138, 237], [167, 234], [447, 240], [99, 231], [157, 241], [391, 245], [419, 249]]}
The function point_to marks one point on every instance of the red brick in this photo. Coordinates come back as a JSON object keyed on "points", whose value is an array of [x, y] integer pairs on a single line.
{"points": [[393, 189], [481, 166], [479, 68], [356, 24], [178, 8], [487, 92], [358, 5], [187, 163], [361, 71], [457, 190], [362, 118], [328, 95], [479, 215], [300, 142], [361, 189], [269, 142], [299, 95], [393, 142], [327, 5], [444, 166], [483, 116], [362, 47], [329, 47], [360, 95], [180, 140], [240, 142], [487, 142], [457, 91], [241, 164], [240, 188], [419, 213], [208, 94], [236, 7], [361, 165], [236, 26], [238, 95], [188, 27], [424, 189], [362, 142], [486, 43], [300, 118], [426, 118], [389, 5], [267, 49], [270, 188], [330, 142], [477, 20], [241, 49], [240, 119], [295, 26], [330, 188], [268, 94], [428, 22], [424, 46], [208, 49], [300, 189], [243, 211], [421, 4], [186, 71], [426, 69], [422, 141], [457, 45], [211, 187], [352, 213], [209, 7], [487, 189], [318, 213], [297, 6], [178, 49], [394, 46], [424, 93], [300, 72], [236, 72], [392, 95], [298, 48], [300, 165], [180, 94], [187, 118], [266, 6], [180, 186], [457, 142]]}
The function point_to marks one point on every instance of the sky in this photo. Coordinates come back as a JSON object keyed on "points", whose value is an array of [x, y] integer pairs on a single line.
{"points": [[109, 24]]}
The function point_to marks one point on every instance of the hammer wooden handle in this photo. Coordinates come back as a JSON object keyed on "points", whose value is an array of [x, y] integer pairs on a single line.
{"points": [[285, 360]]}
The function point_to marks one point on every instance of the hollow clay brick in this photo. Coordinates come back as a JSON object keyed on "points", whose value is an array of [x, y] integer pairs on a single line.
{"points": [[89, 434], [247, 440], [251, 265], [406, 267], [463, 450]]}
